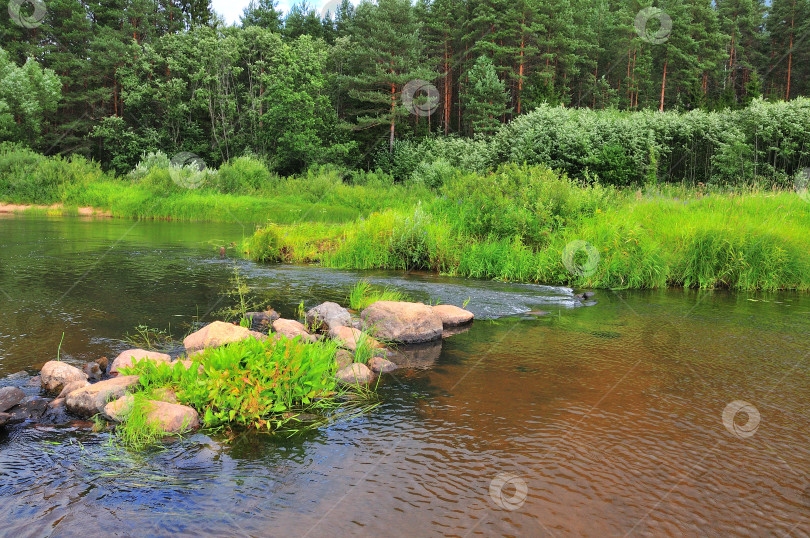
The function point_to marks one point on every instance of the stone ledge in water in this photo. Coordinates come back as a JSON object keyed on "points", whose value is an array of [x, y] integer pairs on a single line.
{"points": [[56, 374], [353, 374], [378, 365], [453, 316], [215, 334], [127, 358], [328, 316], [409, 323], [291, 328], [91, 400]]}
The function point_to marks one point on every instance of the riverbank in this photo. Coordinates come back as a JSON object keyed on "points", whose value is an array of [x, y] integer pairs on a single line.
{"points": [[530, 225]]}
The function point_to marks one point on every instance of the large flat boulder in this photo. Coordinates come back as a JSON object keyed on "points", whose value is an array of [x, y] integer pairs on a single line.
{"points": [[350, 338], [127, 358], [327, 316], [119, 409], [408, 323], [9, 397], [56, 374], [92, 399], [453, 316], [291, 328], [215, 334], [172, 418]]}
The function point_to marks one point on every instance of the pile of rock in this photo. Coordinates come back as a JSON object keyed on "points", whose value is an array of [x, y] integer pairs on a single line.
{"points": [[98, 390]]}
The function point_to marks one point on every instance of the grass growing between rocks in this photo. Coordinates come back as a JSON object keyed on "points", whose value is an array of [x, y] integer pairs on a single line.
{"points": [[259, 385], [364, 293], [515, 224]]}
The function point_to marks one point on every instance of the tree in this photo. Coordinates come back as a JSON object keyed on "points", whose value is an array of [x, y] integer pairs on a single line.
{"points": [[486, 97], [262, 13], [386, 56], [28, 94]]}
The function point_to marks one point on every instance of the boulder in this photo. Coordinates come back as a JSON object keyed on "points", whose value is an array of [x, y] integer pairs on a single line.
{"points": [[343, 359], [215, 334], [418, 356], [173, 418], [328, 316], [92, 399], [103, 363], [353, 374], [72, 386], [261, 337], [4, 418], [57, 403], [118, 410], [127, 358], [56, 374], [453, 316], [291, 328], [31, 408], [9, 397], [408, 323], [93, 371], [261, 321], [378, 365], [349, 338], [165, 394]]}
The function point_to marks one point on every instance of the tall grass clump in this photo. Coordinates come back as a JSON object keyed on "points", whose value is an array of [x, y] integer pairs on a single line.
{"points": [[364, 294]]}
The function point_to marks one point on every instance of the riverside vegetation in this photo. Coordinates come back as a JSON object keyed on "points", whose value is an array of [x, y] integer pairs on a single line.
{"points": [[697, 199]]}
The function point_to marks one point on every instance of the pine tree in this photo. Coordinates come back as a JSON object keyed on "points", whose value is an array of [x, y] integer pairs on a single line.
{"points": [[262, 13], [486, 97]]}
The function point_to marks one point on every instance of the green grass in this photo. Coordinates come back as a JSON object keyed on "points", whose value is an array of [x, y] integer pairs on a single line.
{"points": [[249, 384], [648, 238], [363, 294]]}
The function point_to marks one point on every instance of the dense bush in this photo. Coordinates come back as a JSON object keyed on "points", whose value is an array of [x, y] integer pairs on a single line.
{"points": [[242, 175]]}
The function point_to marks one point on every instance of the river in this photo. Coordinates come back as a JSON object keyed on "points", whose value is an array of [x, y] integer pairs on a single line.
{"points": [[601, 420]]}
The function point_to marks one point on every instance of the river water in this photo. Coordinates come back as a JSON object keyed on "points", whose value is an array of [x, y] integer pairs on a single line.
{"points": [[602, 420]]}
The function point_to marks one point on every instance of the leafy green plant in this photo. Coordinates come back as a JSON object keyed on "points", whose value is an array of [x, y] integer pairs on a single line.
{"points": [[151, 339]]}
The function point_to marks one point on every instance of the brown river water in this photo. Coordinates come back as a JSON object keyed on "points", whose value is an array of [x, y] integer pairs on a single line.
{"points": [[605, 420]]}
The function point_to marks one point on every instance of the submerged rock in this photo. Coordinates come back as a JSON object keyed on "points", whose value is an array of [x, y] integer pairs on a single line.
{"points": [[92, 399], [453, 316], [56, 374], [215, 334], [350, 338], [417, 355], [127, 358], [31, 408], [378, 365], [291, 328], [409, 323], [261, 321], [354, 374], [9, 397], [172, 418], [328, 316]]}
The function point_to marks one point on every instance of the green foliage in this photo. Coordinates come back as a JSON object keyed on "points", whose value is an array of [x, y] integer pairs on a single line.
{"points": [[364, 294], [250, 383], [243, 175], [485, 97], [151, 339]]}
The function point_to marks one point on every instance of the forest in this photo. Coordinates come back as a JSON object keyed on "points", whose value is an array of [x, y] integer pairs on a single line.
{"points": [[352, 86]]}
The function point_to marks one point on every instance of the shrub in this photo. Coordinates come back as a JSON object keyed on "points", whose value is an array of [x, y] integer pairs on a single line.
{"points": [[433, 174], [243, 175]]}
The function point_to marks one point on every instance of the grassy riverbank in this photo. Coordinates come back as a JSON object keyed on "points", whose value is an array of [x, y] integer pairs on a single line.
{"points": [[516, 224]]}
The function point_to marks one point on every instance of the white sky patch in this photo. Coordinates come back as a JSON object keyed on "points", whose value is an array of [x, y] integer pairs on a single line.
{"points": [[231, 10]]}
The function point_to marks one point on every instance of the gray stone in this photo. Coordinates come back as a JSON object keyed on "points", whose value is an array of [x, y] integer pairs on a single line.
{"points": [[408, 323], [9, 397], [328, 316], [379, 365], [32, 408]]}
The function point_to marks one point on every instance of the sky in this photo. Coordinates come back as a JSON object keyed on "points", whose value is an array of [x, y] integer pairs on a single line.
{"points": [[232, 9]]}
